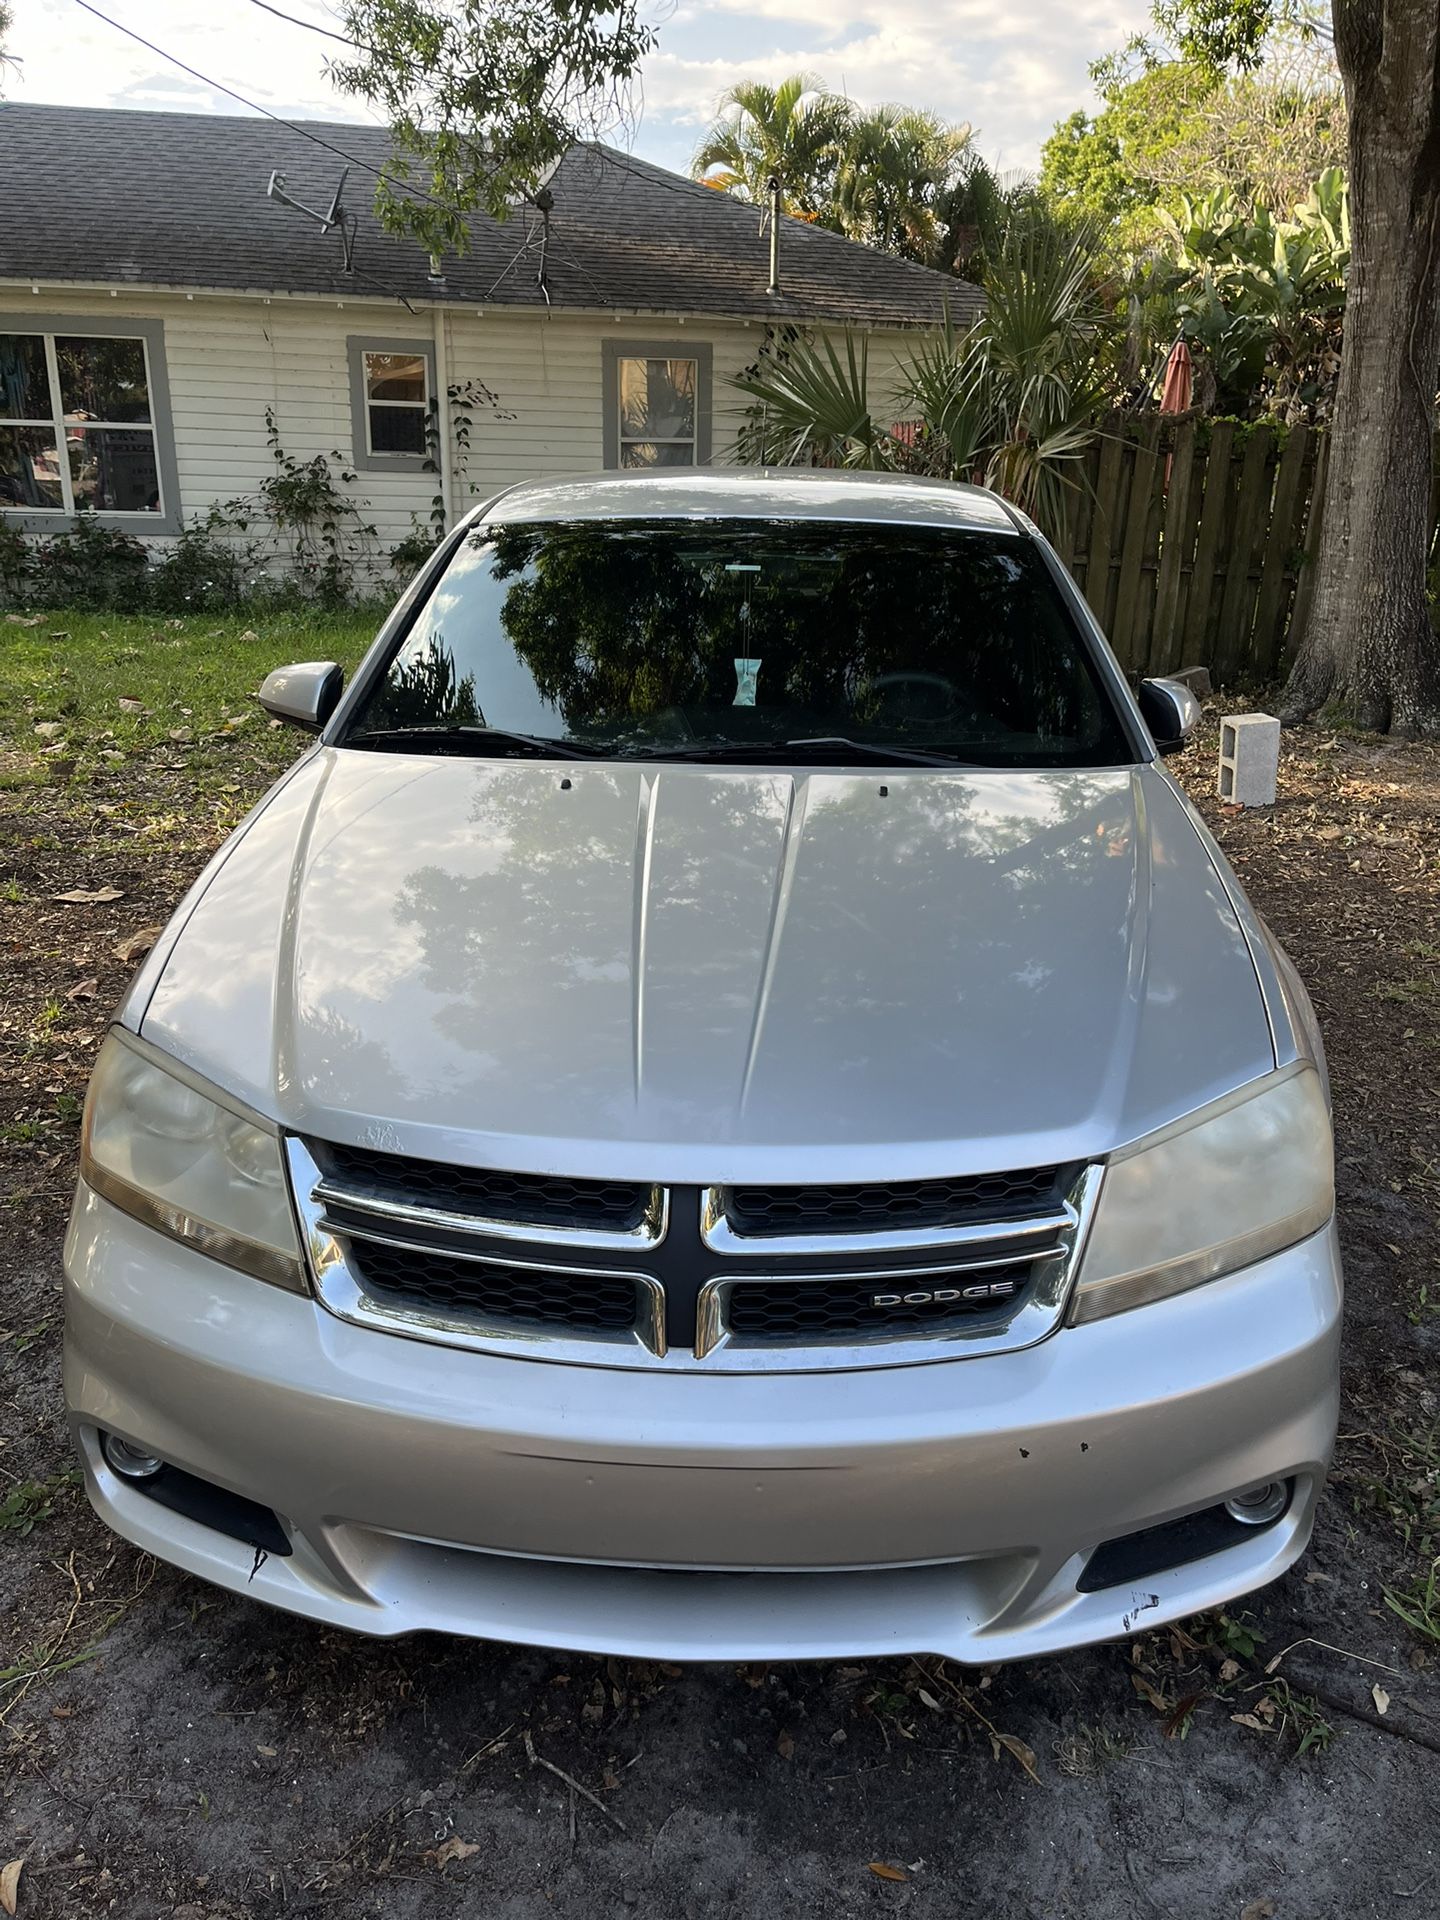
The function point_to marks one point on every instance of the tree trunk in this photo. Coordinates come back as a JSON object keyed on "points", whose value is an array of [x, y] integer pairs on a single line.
{"points": [[1369, 645]]}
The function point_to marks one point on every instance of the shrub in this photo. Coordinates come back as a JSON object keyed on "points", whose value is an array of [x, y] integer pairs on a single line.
{"points": [[204, 572], [89, 566], [14, 563]]}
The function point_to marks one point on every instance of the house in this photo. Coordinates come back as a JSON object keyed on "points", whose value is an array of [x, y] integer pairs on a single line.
{"points": [[156, 304]]}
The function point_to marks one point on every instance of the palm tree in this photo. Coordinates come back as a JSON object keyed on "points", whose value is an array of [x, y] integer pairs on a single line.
{"points": [[1013, 402], [896, 165], [792, 133]]}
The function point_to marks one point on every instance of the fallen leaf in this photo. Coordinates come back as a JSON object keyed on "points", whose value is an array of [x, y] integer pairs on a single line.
{"points": [[135, 944], [49, 729], [1249, 1720], [19, 620], [1012, 1743], [1147, 1692], [83, 990], [1380, 1697], [453, 1849], [268, 1752], [881, 1869], [1258, 1910], [86, 897], [10, 1875], [929, 1700], [132, 705], [785, 1746], [1179, 1715], [1229, 1670]]}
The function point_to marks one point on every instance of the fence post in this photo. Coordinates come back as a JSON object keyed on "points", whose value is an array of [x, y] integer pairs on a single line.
{"points": [[1212, 522], [1252, 516], [1177, 545], [1125, 637], [1285, 526], [1097, 564]]}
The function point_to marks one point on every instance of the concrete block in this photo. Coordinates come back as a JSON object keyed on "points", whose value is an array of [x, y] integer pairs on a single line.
{"points": [[1197, 679], [1249, 759]]}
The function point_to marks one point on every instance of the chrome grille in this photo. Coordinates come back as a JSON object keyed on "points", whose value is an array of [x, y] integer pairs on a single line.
{"points": [[535, 1296], [517, 1198], [621, 1273], [761, 1211], [803, 1313]]}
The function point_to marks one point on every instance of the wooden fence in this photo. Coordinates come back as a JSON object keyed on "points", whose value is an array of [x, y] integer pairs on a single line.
{"points": [[1189, 537]]}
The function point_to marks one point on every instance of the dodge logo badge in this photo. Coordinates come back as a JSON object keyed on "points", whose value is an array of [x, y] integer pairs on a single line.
{"points": [[946, 1296]]}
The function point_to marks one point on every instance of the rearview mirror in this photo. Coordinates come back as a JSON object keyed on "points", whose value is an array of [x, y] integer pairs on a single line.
{"points": [[305, 695], [1171, 712]]}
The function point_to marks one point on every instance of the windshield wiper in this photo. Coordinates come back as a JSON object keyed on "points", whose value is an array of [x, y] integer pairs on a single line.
{"points": [[821, 747], [482, 740]]}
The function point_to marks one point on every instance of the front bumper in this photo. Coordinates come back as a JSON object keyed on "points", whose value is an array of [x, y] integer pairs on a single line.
{"points": [[945, 1508]]}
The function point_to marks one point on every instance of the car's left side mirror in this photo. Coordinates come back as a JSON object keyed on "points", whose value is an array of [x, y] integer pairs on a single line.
{"points": [[305, 695], [1171, 712]]}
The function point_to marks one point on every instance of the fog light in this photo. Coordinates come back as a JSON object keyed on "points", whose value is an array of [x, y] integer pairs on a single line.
{"points": [[1258, 1506], [131, 1463]]}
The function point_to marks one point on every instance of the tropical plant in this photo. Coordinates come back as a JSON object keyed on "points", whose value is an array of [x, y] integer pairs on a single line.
{"points": [[894, 169], [792, 133], [881, 176], [980, 208], [1258, 299], [1011, 402]]}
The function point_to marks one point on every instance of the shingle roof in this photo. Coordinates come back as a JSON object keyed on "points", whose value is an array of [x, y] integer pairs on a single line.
{"points": [[178, 199]]}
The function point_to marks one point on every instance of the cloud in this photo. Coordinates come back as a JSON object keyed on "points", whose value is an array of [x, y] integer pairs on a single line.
{"points": [[1011, 72]]}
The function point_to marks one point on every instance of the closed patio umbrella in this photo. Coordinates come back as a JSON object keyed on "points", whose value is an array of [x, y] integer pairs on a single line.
{"points": [[1176, 390], [1179, 380]]}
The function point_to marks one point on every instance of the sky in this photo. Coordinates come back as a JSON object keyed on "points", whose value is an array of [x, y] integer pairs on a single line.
{"points": [[1010, 70]]}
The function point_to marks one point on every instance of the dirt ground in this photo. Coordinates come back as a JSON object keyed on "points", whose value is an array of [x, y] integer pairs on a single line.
{"points": [[168, 1750]]}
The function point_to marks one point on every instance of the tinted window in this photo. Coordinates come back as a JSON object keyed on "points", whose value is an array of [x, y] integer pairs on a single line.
{"points": [[639, 637]]}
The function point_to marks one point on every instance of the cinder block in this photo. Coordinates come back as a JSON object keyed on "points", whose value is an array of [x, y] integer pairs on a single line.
{"points": [[1197, 679], [1249, 759]]}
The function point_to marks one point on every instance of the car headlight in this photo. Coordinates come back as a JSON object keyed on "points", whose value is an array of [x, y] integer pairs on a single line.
{"points": [[1244, 1177], [189, 1163]]}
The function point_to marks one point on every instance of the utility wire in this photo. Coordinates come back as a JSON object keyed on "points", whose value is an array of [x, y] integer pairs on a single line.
{"points": [[656, 176], [293, 126], [313, 26]]}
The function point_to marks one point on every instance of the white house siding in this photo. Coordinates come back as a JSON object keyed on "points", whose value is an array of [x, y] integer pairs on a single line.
{"points": [[229, 358]]}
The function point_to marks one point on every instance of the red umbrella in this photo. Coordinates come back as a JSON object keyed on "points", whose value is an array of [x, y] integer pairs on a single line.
{"points": [[1175, 393], [1179, 380]]}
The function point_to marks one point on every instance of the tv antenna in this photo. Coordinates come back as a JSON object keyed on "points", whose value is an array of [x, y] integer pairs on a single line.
{"points": [[328, 221]]}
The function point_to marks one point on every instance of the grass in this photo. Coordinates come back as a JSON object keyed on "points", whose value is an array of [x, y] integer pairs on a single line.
{"points": [[1404, 1487], [116, 685]]}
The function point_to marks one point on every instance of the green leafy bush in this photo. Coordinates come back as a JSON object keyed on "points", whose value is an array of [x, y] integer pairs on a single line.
{"points": [[205, 571], [90, 565]]}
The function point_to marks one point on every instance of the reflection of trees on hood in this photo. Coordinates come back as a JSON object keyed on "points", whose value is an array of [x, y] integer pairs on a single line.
{"points": [[619, 625]]}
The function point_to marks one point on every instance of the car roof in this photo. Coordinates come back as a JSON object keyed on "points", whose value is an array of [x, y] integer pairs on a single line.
{"points": [[754, 493]]}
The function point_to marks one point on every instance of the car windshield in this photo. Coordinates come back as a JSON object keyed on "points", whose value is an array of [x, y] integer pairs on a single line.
{"points": [[747, 640]]}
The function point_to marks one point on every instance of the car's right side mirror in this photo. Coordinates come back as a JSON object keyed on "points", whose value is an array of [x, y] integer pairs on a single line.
{"points": [[1171, 712], [305, 695]]}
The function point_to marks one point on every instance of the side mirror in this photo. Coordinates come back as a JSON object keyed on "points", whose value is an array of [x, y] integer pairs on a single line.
{"points": [[305, 695], [1171, 712]]}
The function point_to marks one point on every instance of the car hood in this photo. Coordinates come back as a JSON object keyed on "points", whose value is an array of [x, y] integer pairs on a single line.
{"points": [[695, 973]]}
